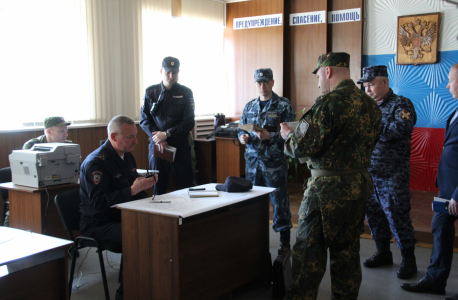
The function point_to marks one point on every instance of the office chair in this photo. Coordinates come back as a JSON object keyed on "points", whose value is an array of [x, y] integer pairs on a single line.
{"points": [[68, 205], [5, 176]]}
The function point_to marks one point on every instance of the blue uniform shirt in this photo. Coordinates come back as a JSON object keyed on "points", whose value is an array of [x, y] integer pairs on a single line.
{"points": [[392, 152], [277, 110]]}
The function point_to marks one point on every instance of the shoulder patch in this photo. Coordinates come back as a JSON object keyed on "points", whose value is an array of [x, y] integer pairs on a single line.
{"points": [[97, 177], [405, 115], [302, 128]]}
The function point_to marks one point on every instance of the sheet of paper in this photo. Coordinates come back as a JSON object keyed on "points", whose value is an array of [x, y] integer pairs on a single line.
{"points": [[293, 125]]}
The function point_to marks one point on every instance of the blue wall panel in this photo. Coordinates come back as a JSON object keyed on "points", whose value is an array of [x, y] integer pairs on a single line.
{"points": [[424, 85]]}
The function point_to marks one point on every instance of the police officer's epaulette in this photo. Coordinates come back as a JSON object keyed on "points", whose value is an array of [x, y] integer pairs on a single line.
{"points": [[284, 99], [102, 155], [153, 88], [321, 97]]}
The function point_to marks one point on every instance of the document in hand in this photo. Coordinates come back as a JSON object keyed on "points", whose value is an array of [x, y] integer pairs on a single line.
{"points": [[168, 154], [441, 205], [251, 127], [293, 125], [203, 193]]}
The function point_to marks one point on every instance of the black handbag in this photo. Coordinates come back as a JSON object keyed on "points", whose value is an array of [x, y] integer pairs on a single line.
{"points": [[227, 131]]}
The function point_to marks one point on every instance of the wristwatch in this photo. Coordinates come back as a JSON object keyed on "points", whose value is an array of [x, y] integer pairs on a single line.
{"points": [[167, 134]]}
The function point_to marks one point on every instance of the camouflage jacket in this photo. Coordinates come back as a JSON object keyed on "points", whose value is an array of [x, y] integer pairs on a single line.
{"points": [[339, 132], [278, 109], [392, 152], [39, 140]]}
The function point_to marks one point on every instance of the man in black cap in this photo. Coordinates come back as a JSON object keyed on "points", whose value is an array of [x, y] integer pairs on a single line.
{"points": [[265, 161], [56, 131], [389, 205], [167, 116], [337, 136]]}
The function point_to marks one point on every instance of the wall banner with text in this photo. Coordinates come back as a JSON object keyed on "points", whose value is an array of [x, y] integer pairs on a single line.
{"points": [[258, 22], [307, 18], [346, 15]]}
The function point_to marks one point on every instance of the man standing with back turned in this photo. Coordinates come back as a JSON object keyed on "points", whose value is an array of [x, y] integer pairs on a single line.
{"points": [[443, 225], [265, 161], [337, 135], [167, 116], [389, 205]]}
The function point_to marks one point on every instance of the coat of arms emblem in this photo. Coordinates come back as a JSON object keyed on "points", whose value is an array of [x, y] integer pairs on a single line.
{"points": [[417, 39]]}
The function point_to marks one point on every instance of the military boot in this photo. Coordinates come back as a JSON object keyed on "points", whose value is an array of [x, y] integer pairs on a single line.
{"points": [[285, 236], [409, 264], [383, 256]]}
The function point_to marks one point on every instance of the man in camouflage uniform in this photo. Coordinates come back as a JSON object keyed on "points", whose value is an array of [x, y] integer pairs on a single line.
{"points": [[389, 205], [337, 136], [265, 161], [56, 131]]}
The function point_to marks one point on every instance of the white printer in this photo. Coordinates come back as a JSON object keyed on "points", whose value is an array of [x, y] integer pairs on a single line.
{"points": [[46, 164]]}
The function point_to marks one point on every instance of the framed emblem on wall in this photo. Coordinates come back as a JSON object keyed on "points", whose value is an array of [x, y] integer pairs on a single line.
{"points": [[418, 39]]}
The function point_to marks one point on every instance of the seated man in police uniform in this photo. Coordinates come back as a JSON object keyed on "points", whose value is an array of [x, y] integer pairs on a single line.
{"points": [[56, 131], [109, 177]]}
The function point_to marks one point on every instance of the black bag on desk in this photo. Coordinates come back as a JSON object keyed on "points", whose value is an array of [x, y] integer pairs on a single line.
{"points": [[281, 274], [227, 131]]}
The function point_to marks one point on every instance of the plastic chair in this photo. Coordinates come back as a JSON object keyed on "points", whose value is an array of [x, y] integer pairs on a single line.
{"points": [[5, 176], [68, 205]]}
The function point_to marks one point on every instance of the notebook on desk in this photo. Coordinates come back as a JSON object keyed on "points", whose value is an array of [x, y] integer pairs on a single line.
{"points": [[203, 193]]}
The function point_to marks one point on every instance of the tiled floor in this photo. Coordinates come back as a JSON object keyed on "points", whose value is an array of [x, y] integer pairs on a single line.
{"points": [[421, 212]]}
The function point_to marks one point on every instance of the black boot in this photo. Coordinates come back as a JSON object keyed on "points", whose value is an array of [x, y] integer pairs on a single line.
{"points": [[409, 264], [383, 256], [285, 236]]}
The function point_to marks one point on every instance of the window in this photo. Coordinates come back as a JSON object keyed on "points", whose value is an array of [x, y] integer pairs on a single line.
{"points": [[44, 68], [199, 47]]}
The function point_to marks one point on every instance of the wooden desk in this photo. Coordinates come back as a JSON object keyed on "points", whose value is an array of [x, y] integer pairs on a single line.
{"points": [[36, 265], [230, 159], [28, 208], [211, 247]]}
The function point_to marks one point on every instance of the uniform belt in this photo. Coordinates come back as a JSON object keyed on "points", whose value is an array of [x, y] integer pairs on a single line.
{"points": [[320, 173]]}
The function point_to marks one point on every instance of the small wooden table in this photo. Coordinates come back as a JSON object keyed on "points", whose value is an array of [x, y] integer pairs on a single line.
{"points": [[230, 158], [197, 249], [34, 209], [32, 266]]}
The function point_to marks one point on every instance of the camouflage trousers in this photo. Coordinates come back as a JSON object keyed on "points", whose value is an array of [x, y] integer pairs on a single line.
{"points": [[333, 224], [389, 207], [272, 174]]}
